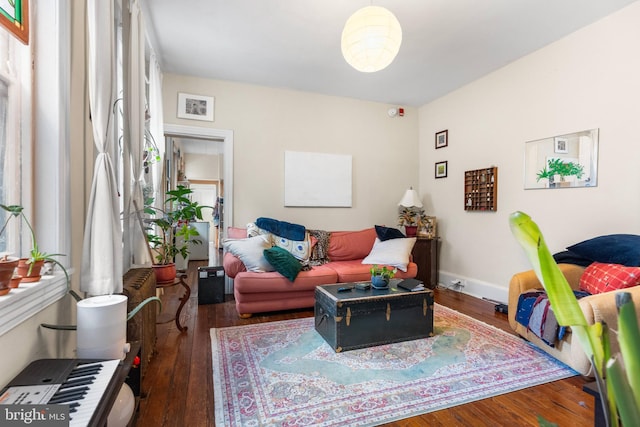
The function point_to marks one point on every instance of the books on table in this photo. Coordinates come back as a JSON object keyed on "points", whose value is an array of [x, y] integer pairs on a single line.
{"points": [[411, 285]]}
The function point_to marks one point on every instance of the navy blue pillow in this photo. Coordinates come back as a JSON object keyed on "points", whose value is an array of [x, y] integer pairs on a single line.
{"points": [[568, 257], [387, 233], [612, 249]]}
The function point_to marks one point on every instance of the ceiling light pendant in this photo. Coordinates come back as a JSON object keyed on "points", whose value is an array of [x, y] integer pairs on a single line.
{"points": [[371, 39]]}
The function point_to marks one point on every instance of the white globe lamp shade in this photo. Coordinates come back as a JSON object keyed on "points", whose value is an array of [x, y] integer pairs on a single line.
{"points": [[371, 39]]}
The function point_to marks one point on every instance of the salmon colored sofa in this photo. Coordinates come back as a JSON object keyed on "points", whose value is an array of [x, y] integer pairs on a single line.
{"points": [[258, 292]]}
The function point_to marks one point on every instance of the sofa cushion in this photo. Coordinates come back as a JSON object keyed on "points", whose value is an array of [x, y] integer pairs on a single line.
{"points": [[613, 248], [348, 245], [284, 263], [268, 283], [250, 252], [601, 277], [394, 252], [387, 233], [236, 233]]}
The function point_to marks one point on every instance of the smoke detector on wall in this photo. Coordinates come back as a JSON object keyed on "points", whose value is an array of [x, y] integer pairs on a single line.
{"points": [[393, 112]]}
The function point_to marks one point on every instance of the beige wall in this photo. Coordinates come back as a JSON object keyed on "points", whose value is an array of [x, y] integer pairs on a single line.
{"points": [[268, 121], [590, 79], [202, 166]]}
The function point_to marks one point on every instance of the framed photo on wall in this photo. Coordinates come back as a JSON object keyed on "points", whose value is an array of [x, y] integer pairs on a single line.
{"points": [[442, 139], [441, 169], [560, 145], [195, 107]]}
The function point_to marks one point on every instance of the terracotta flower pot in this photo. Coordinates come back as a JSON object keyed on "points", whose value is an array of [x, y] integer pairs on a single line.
{"points": [[23, 270], [7, 267], [15, 281], [165, 273]]}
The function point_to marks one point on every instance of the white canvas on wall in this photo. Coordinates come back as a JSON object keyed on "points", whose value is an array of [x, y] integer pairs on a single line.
{"points": [[317, 179]]}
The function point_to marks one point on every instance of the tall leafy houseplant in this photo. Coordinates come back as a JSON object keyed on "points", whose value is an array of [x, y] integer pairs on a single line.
{"points": [[171, 232], [621, 393]]}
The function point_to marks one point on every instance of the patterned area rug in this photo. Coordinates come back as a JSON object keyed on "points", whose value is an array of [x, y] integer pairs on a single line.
{"points": [[285, 374]]}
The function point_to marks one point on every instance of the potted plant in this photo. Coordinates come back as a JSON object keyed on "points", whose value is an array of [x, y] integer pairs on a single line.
{"points": [[412, 218], [557, 171], [620, 391], [29, 268], [171, 232], [380, 276]]}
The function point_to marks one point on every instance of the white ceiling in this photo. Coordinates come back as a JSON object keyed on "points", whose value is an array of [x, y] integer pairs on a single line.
{"points": [[295, 44]]}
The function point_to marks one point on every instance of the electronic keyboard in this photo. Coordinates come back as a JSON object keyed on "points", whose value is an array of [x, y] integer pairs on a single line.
{"points": [[88, 386]]}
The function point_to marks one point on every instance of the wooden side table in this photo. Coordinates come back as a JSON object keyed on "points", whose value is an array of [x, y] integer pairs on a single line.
{"points": [[164, 318], [425, 254]]}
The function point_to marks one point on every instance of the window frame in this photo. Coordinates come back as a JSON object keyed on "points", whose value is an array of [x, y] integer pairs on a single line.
{"points": [[48, 183]]}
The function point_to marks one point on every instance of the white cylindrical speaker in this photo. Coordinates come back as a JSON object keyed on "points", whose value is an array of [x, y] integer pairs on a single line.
{"points": [[102, 327]]}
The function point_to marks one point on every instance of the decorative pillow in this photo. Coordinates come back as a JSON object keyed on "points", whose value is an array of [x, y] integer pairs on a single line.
{"points": [[284, 263], [568, 257], [348, 245], [254, 230], [394, 252], [614, 249], [600, 277], [387, 233], [282, 228], [300, 249], [250, 252]]}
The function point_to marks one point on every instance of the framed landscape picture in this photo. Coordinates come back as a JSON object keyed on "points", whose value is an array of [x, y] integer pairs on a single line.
{"points": [[195, 107], [442, 139], [441, 169]]}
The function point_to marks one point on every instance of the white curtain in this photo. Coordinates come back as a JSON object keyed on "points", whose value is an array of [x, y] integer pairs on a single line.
{"points": [[135, 99], [156, 126], [101, 272]]}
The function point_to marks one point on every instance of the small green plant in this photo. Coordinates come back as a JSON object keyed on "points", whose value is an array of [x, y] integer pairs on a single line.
{"points": [[621, 392], [173, 222], [383, 271], [558, 167], [35, 254]]}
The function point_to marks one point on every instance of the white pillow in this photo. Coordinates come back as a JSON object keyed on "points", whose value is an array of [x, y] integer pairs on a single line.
{"points": [[251, 252], [393, 252]]}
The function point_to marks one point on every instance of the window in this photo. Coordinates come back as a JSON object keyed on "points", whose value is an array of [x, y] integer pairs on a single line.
{"points": [[47, 188], [14, 83]]}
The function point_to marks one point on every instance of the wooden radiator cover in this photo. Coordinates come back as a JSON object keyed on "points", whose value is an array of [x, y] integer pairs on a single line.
{"points": [[138, 285]]}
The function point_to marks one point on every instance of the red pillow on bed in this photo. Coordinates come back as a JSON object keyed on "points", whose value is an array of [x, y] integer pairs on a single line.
{"points": [[600, 277]]}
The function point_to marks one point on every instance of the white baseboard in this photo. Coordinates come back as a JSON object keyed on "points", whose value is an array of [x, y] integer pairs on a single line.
{"points": [[474, 287]]}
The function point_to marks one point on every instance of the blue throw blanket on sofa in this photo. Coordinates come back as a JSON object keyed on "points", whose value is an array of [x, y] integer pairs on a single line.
{"points": [[283, 229], [535, 313]]}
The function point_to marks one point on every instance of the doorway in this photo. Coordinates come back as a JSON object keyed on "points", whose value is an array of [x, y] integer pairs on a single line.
{"points": [[226, 185]]}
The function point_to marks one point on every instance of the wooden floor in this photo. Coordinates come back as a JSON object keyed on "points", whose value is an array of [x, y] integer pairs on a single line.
{"points": [[178, 387]]}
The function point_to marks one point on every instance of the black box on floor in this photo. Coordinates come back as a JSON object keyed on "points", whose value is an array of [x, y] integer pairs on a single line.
{"points": [[210, 285]]}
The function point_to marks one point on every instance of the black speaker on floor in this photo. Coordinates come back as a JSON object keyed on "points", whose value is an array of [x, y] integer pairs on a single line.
{"points": [[210, 284]]}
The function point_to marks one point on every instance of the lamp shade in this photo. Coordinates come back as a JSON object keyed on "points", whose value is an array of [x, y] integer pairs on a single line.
{"points": [[410, 199], [371, 39]]}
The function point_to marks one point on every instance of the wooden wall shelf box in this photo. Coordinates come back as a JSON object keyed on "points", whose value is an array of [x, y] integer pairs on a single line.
{"points": [[481, 189]]}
